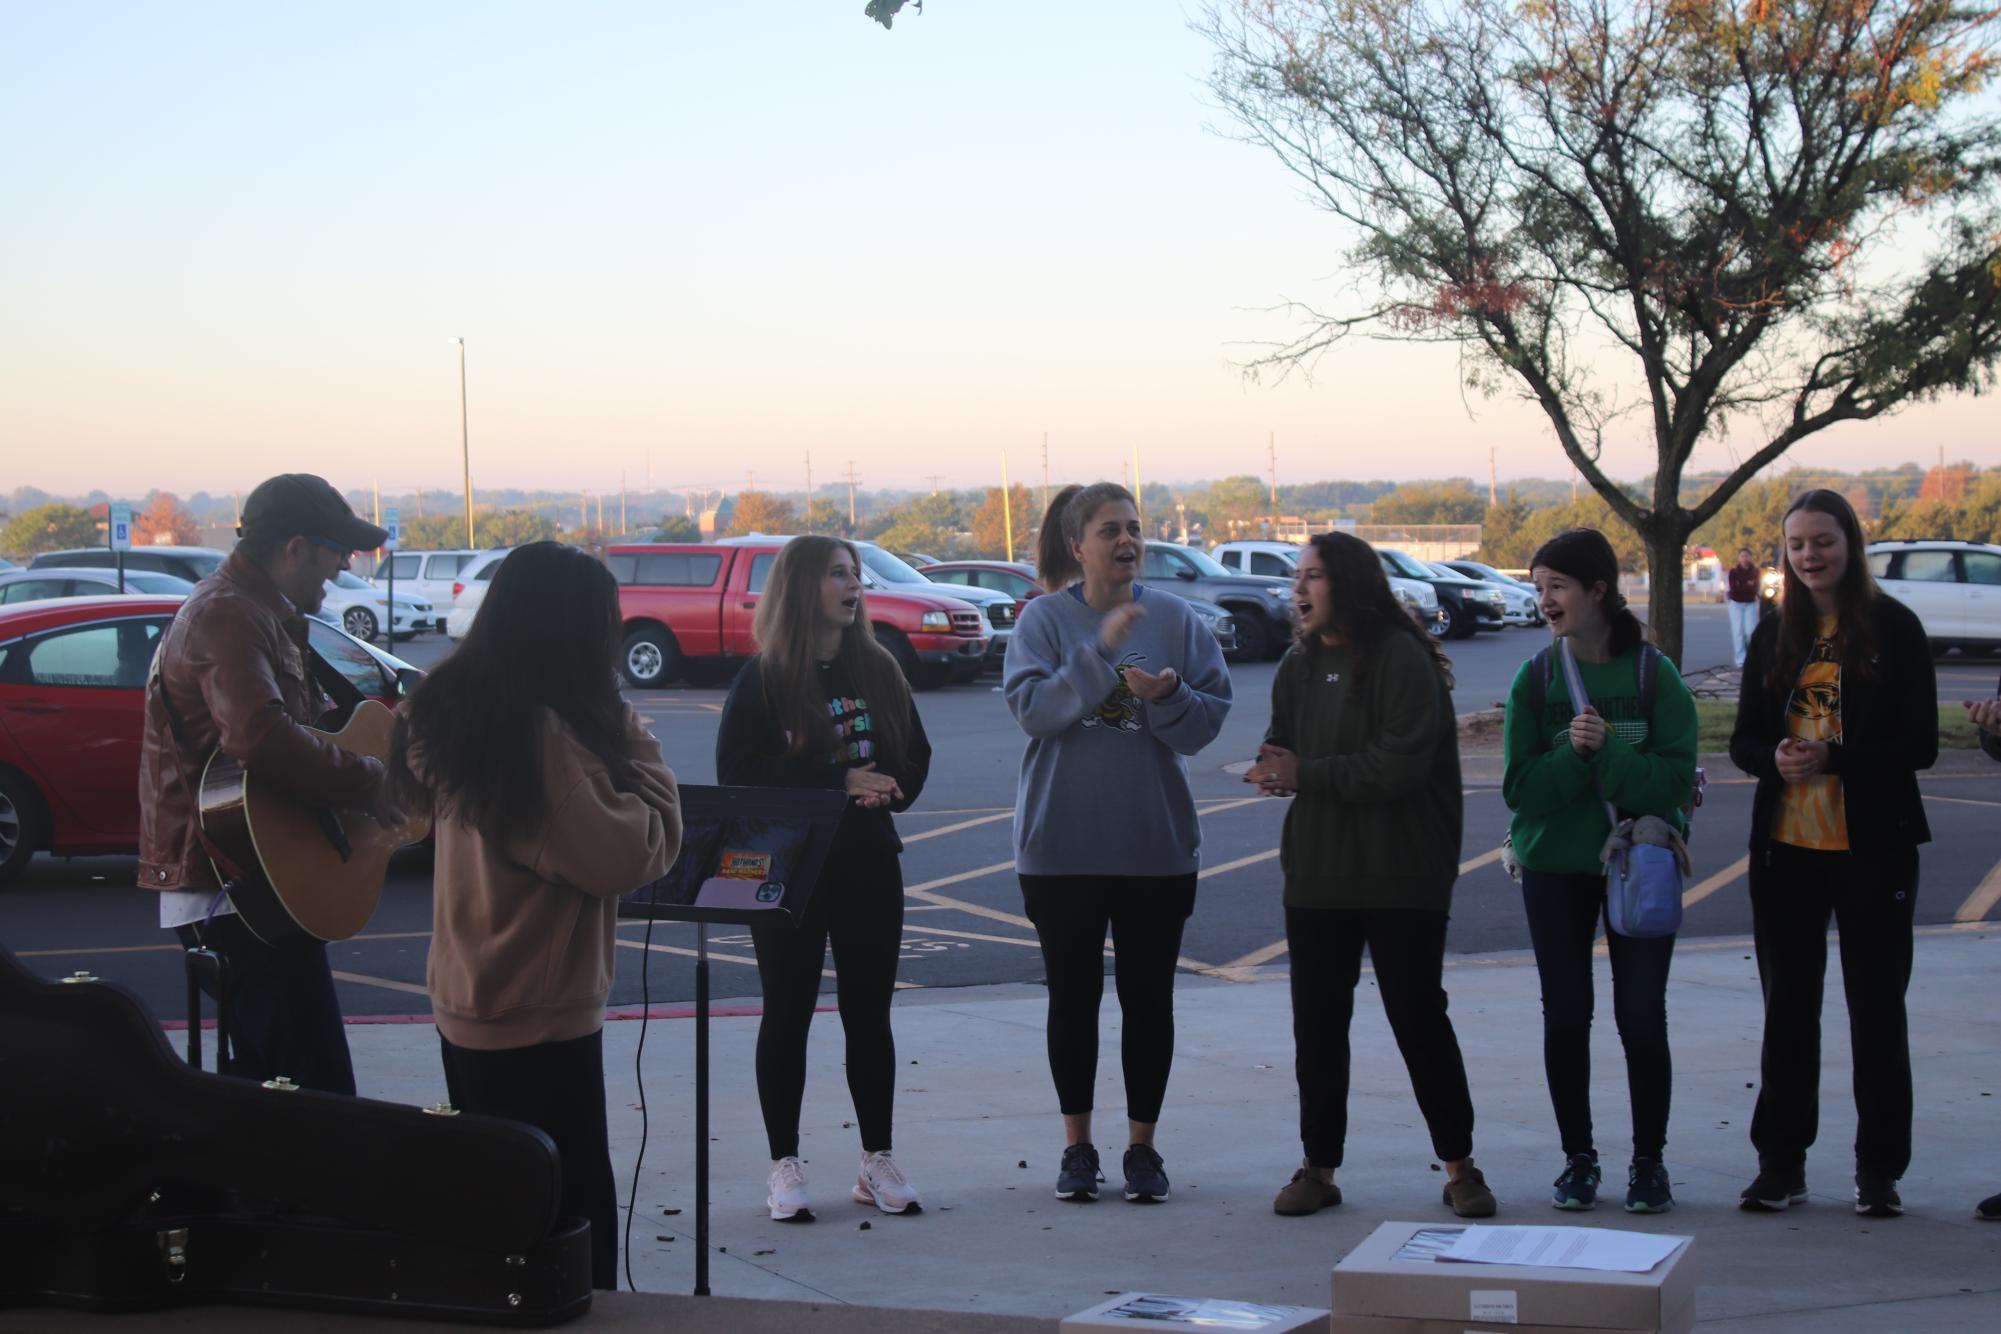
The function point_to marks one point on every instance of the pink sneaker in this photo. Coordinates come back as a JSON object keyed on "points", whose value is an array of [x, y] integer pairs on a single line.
{"points": [[881, 1182], [787, 1198]]}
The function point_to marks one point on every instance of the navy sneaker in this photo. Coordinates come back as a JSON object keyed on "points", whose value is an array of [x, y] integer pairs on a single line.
{"points": [[1989, 1209], [1876, 1196], [1774, 1190], [1079, 1176], [1577, 1186], [1647, 1189], [1146, 1176]]}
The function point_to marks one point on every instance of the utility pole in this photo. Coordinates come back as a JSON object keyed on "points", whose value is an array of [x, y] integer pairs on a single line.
{"points": [[933, 478], [420, 502], [1007, 509], [809, 490], [600, 512], [1493, 483], [1045, 472], [375, 485], [1271, 456], [851, 494], [750, 479], [1139, 487], [465, 441], [583, 511]]}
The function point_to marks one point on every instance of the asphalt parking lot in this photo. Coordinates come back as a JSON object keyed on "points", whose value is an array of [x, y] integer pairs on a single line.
{"points": [[964, 924]]}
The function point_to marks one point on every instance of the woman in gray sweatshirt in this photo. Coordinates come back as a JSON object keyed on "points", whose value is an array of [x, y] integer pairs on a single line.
{"points": [[1115, 685]]}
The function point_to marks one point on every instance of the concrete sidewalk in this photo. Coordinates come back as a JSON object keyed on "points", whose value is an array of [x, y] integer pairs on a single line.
{"points": [[976, 1129]]}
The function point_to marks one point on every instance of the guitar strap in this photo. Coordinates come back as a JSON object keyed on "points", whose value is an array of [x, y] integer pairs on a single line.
{"points": [[154, 686]]}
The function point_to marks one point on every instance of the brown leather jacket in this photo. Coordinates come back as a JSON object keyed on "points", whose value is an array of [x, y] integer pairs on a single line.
{"points": [[234, 665]]}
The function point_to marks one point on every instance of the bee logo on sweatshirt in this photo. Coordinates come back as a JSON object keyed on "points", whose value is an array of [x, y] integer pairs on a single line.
{"points": [[1120, 710]]}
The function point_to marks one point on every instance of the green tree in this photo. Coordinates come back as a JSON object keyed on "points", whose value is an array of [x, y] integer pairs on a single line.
{"points": [[51, 527], [1231, 507], [824, 516], [1662, 218], [434, 532], [990, 523], [928, 524], [512, 528], [1754, 517], [678, 528], [762, 512], [1500, 531], [1430, 502]]}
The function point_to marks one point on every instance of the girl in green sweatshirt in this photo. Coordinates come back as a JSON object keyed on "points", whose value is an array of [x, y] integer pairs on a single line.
{"points": [[1562, 764]]}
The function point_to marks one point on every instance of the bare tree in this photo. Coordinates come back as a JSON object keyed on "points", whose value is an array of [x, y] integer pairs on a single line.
{"points": [[1668, 219]]}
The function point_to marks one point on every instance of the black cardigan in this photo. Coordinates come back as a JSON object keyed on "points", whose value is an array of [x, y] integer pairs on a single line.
{"points": [[1889, 731], [751, 752]]}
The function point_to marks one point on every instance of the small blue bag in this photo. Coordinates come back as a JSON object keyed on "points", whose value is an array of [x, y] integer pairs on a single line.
{"points": [[1643, 881]]}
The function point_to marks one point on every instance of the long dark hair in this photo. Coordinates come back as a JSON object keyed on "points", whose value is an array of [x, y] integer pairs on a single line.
{"points": [[788, 622], [1364, 610], [1070, 511], [547, 636], [1799, 621], [1583, 554]]}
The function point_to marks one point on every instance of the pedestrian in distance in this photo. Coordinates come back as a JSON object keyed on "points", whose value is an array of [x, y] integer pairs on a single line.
{"points": [[1633, 746], [1116, 685], [823, 705], [1837, 714], [1985, 714], [1364, 740], [1741, 598], [551, 801]]}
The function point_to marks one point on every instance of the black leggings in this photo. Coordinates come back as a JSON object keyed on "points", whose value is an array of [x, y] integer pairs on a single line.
{"points": [[1145, 915], [1872, 899], [557, 1087], [859, 909], [1563, 912], [1407, 947]]}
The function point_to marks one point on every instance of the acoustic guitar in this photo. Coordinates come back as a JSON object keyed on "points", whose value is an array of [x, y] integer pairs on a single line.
{"points": [[307, 872]]}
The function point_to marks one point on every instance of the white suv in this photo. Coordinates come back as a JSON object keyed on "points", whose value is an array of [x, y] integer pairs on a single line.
{"points": [[1954, 587], [426, 574], [1281, 560], [470, 590]]}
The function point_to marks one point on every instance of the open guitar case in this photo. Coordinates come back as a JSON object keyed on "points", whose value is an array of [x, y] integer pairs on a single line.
{"points": [[129, 1181]]}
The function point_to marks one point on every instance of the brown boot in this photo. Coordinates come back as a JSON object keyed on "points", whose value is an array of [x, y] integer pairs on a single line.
{"points": [[1306, 1194], [1468, 1195]]}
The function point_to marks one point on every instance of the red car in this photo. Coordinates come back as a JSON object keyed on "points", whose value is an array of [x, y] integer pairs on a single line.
{"points": [[72, 691]]}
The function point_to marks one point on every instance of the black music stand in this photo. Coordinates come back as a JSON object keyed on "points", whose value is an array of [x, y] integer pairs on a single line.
{"points": [[749, 856]]}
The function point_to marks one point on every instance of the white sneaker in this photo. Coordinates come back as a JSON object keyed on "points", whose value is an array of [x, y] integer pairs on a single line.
{"points": [[881, 1183], [787, 1200]]}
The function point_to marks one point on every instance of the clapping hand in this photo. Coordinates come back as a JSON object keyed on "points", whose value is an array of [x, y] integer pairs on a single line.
{"points": [[870, 789], [1587, 732], [1800, 760], [1148, 686], [1275, 771], [1118, 624]]}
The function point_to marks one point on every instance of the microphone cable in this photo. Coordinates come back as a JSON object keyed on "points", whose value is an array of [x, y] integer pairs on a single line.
{"points": [[639, 1078]]}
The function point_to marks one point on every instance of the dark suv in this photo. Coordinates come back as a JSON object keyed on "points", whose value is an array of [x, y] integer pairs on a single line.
{"points": [[193, 564], [1464, 605], [1261, 607]]}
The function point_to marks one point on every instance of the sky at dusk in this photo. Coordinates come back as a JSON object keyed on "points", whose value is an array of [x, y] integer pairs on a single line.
{"points": [[701, 239]]}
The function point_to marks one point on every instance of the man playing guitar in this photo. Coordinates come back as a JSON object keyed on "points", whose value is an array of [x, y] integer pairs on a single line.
{"points": [[234, 672]]}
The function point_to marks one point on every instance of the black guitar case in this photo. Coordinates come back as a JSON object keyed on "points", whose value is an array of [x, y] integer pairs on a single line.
{"points": [[129, 1181]]}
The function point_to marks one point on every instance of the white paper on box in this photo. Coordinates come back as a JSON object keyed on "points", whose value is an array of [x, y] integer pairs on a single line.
{"points": [[1496, 1306], [1603, 1249], [1150, 1310]]}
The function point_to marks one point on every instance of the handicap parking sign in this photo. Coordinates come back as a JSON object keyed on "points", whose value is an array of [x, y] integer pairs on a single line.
{"points": [[121, 527]]}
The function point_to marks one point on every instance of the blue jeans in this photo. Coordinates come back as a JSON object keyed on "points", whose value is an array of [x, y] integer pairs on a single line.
{"points": [[284, 1018], [1564, 912], [1743, 621]]}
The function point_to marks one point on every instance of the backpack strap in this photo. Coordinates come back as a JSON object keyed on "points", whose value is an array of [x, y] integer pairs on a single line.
{"points": [[1646, 679], [1542, 667]]}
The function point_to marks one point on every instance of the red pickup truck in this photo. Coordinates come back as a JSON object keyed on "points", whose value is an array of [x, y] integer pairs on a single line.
{"points": [[687, 602]]}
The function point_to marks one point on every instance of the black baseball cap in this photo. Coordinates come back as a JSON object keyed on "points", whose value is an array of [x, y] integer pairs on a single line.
{"points": [[298, 504]]}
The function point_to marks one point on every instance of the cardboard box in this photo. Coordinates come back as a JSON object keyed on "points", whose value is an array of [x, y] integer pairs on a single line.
{"points": [[1156, 1313], [1375, 1292]]}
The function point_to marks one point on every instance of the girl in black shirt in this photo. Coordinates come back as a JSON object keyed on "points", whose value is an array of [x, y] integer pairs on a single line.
{"points": [[822, 705]]}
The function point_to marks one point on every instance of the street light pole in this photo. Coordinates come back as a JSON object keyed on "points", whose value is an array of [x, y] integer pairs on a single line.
{"points": [[465, 445]]}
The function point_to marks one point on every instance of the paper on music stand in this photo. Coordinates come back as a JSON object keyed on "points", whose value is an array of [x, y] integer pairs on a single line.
{"points": [[1603, 1249], [1199, 1312]]}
